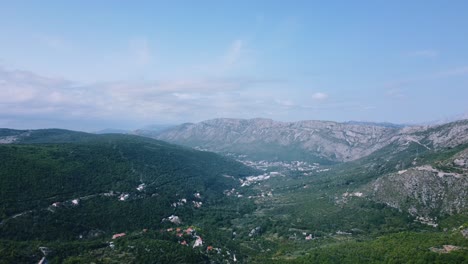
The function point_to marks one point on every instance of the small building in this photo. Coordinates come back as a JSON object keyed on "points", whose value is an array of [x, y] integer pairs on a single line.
{"points": [[118, 235], [189, 231], [174, 219], [198, 242], [124, 196]]}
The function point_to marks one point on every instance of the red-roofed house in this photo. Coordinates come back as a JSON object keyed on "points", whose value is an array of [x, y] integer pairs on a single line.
{"points": [[118, 235]]}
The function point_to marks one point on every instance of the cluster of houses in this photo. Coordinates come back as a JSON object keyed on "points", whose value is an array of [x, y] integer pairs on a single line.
{"points": [[180, 202], [235, 193], [306, 168], [187, 237], [183, 201], [254, 179], [185, 234], [197, 204], [231, 192], [346, 196], [291, 166], [305, 235], [76, 201]]}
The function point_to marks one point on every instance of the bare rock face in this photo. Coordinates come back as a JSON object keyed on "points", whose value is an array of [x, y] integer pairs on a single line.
{"points": [[422, 191], [461, 159], [8, 136], [8, 139], [450, 135], [445, 249], [464, 233], [332, 141]]}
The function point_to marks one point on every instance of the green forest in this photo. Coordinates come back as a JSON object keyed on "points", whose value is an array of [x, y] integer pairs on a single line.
{"points": [[71, 192]]}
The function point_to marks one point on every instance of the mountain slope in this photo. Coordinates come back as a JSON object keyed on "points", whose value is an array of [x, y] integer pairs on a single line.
{"points": [[435, 185], [267, 139], [422, 171], [98, 179], [315, 141]]}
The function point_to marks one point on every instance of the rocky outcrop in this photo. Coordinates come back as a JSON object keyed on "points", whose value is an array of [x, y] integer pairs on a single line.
{"points": [[422, 191]]}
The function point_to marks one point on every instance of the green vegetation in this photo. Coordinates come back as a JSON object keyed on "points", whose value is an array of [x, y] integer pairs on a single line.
{"points": [[405, 247], [96, 171], [48, 166]]}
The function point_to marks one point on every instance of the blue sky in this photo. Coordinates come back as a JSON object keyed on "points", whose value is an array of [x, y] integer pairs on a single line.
{"points": [[88, 65]]}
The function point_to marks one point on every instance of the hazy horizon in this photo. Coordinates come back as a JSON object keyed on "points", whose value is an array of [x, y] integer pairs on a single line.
{"points": [[94, 65], [98, 129]]}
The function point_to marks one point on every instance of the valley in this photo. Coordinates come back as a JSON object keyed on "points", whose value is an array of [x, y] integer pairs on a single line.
{"points": [[115, 198], [233, 132]]}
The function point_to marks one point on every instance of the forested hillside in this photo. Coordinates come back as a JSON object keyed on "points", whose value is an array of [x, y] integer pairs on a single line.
{"points": [[70, 186], [74, 197]]}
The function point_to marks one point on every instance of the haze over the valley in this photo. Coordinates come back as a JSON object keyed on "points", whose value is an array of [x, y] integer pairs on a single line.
{"points": [[91, 65]]}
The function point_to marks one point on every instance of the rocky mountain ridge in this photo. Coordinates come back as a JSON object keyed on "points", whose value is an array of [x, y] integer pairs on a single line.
{"points": [[326, 140]]}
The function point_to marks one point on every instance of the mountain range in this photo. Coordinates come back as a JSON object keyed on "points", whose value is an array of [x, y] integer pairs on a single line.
{"points": [[321, 141], [274, 192]]}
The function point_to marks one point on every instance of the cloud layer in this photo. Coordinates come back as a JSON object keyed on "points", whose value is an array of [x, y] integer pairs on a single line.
{"points": [[28, 95]]}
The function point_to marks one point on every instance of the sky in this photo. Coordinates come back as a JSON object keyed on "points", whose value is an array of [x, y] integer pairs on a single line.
{"points": [[90, 65]]}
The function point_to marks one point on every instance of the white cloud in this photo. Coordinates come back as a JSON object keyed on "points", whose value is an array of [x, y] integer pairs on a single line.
{"points": [[319, 96], [29, 96], [15, 95], [22, 86]]}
